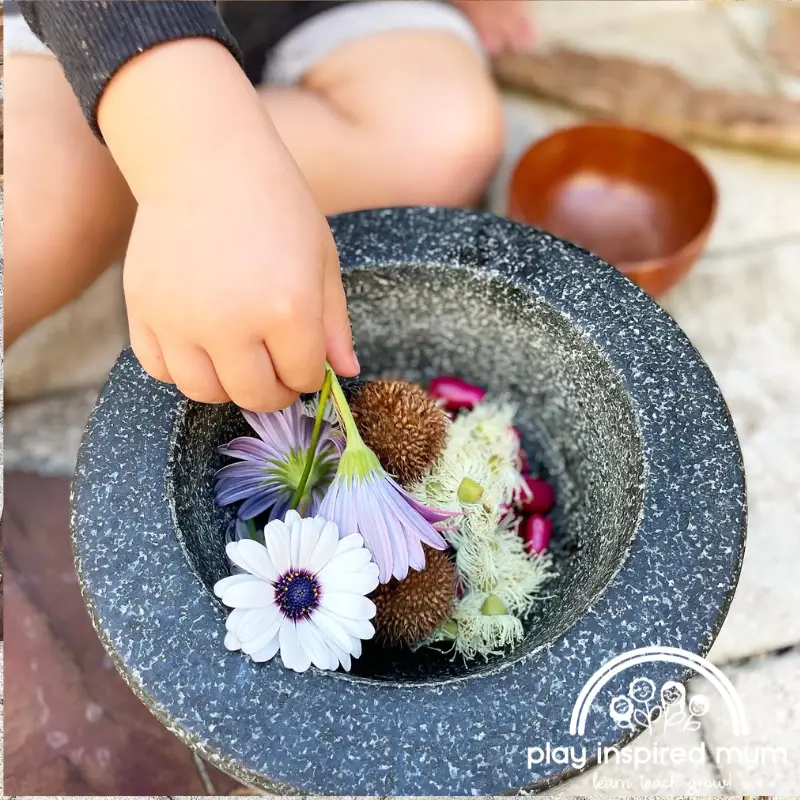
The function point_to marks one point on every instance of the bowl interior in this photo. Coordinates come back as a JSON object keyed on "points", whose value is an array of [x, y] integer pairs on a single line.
{"points": [[626, 195], [576, 418]]}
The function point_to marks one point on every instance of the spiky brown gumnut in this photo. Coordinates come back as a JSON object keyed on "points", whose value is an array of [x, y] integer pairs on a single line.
{"points": [[410, 610], [402, 425]]}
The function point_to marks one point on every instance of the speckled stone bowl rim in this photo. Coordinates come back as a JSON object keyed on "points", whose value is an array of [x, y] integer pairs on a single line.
{"points": [[163, 630]]}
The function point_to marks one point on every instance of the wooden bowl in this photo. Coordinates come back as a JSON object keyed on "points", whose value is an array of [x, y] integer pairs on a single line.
{"points": [[637, 200]]}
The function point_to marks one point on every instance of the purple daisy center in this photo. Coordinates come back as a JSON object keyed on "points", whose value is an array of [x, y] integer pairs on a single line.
{"points": [[297, 594]]}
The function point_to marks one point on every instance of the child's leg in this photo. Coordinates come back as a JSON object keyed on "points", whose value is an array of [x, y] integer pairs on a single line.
{"points": [[68, 211], [396, 118]]}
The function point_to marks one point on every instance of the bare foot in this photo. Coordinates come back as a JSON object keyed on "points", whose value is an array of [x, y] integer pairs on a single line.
{"points": [[502, 25]]}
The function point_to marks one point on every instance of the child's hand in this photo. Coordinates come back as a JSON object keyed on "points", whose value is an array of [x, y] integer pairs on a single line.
{"points": [[233, 291], [231, 278], [501, 24]]}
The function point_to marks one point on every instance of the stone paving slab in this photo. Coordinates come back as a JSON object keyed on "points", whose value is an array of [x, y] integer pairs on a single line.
{"points": [[691, 37], [43, 436], [74, 348], [767, 760], [756, 24], [757, 198], [742, 313]]}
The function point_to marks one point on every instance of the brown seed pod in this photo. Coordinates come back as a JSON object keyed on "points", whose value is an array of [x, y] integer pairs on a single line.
{"points": [[410, 610], [402, 425]]}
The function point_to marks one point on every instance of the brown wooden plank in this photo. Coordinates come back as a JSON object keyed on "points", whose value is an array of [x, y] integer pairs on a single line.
{"points": [[653, 96]]}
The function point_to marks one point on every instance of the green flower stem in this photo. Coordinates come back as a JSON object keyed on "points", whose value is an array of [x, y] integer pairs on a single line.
{"points": [[315, 434], [357, 461], [345, 415]]}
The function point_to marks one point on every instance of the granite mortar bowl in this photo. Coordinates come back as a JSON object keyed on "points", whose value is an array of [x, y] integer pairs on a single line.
{"points": [[621, 414]]}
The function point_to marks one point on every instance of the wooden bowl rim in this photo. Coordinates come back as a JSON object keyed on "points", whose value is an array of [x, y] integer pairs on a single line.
{"points": [[650, 264]]}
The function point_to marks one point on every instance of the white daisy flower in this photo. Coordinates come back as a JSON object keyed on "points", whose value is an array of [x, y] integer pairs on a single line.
{"points": [[303, 594]]}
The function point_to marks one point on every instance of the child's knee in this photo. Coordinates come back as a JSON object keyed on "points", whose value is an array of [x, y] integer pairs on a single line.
{"points": [[464, 148], [451, 152]]}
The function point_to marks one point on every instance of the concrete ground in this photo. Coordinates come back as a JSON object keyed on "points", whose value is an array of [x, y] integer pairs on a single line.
{"points": [[739, 306]]}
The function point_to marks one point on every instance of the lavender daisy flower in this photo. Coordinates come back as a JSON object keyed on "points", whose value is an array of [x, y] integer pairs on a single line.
{"points": [[271, 467], [364, 499]]}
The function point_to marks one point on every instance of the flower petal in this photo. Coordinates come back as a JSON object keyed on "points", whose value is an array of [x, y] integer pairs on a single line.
{"points": [[357, 582], [325, 547], [255, 594], [308, 540], [346, 511], [262, 425], [248, 448], [432, 515], [372, 526], [347, 605], [294, 544], [264, 637], [243, 470], [350, 542], [416, 555], [355, 630], [332, 629], [305, 535], [268, 651], [232, 642], [282, 505], [423, 529], [340, 656], [234, 618], [260, 502], [225, 583], [254, 557], [346, 564], [292, 655], [256, 622], [226, 494], [397, 538], [313, 645], [291, 519], [328, 504], [276, 538]]}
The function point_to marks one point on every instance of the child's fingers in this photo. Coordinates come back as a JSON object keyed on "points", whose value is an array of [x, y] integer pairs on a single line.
{"points": [[247, 373], [193, 372], [336, 322], [296, 343], [146, 348]]}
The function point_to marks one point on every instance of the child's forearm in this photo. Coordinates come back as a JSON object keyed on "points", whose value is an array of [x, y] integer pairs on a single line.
{"points": [[93, 40], [181, 113]]}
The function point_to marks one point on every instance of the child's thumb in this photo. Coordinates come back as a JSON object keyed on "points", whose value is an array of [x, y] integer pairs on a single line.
{"points": [[338, 334]]}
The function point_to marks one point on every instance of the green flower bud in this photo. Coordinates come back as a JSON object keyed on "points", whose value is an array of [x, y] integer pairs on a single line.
{"points": [[493, 606], [469, 491]]}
